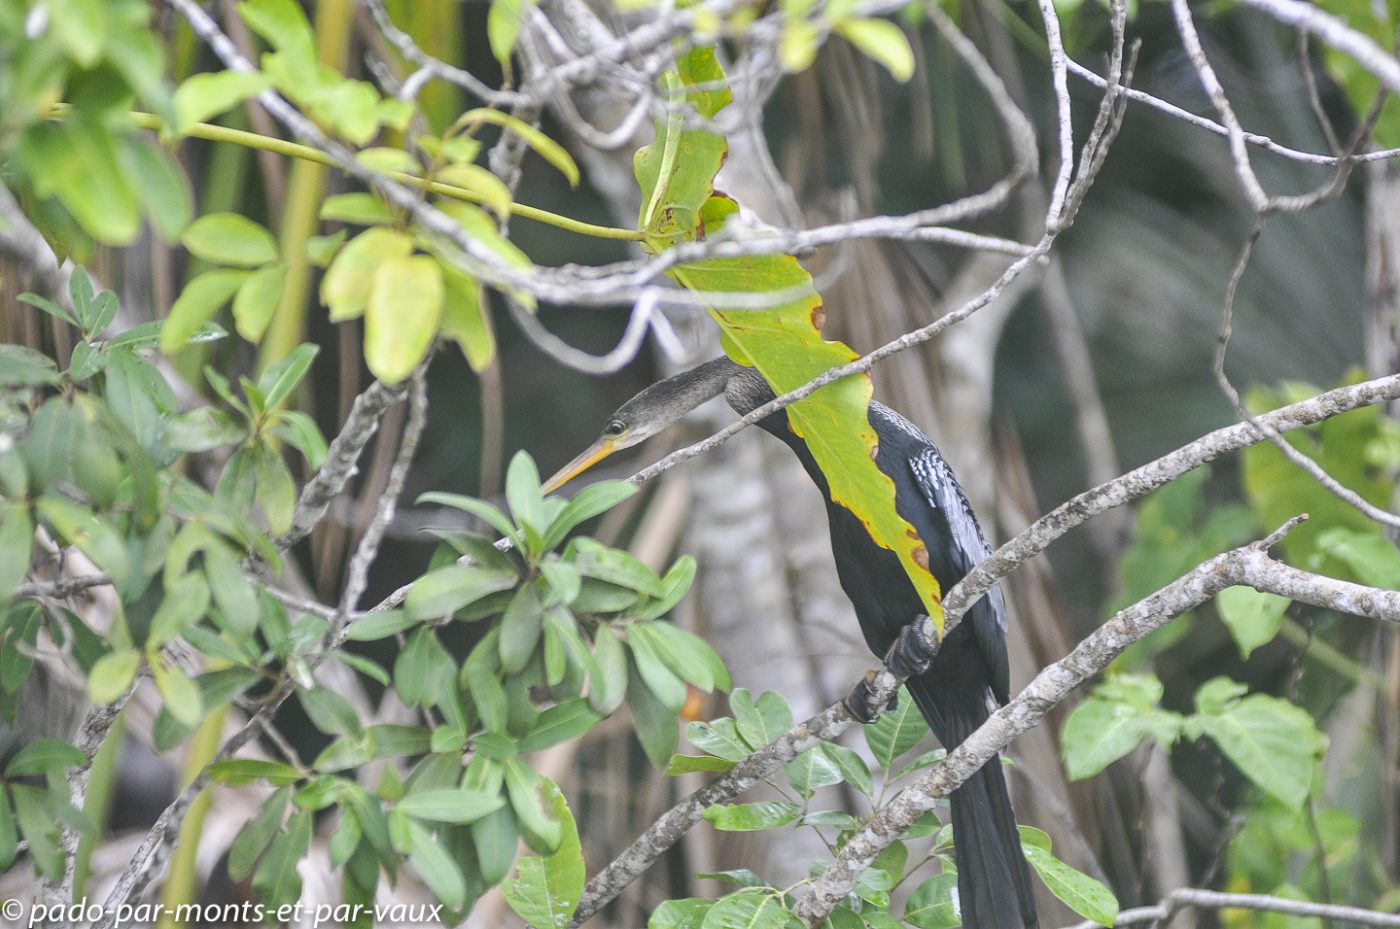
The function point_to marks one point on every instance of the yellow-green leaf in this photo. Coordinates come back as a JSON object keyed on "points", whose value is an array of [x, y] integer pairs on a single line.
{"points": [[256, 301], [209, 94], [784, 342], [197, 304], [346, 286], [465, 320], [548, 149], [882, 41], [230, 239], [405, 303], [481, 183]]}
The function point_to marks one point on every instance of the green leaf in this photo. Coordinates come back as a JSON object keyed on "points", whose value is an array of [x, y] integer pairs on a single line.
{"points": [[346, 286], [77, 526], [520, 629], [546, 890], [811, 770], [686, 764], [896, 732], [197, 304], [653, 721], [606, 692], [360, 208], [760, 722], [548, 149], [76, 162], [502, 30], [16, 546], [465, 319], [49, 307], [882, 41], [592, 501], [42, 756], [277, 491], [183, 605], [86, 361], [208, 94], [405, 304], [719, 737], [542, 828], [686, 913], [436, 867], [230, 239], [450, 806], [256, 300], [80, 27], [1372, 557], [277, 881], [1273, 743], [329, 711], [747, 909], [1077, 890], [181, 696], [852, 767], [443, 591], [282, 377], [523, 492], [238, 772], [1099, 732], [165, 194], [1252, 617], [113, 674], [480, 184], [660, 680], [300, 431], [381, 625], [930, 906], [751, 817], [567, 720], [233, 592]]}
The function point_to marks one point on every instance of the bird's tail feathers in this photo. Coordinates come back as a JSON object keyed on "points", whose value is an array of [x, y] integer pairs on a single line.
{"points": [[994, 881]]}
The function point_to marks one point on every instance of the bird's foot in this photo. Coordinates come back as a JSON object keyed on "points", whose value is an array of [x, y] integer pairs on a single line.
{"points": [[912, 652], [861, 702]]}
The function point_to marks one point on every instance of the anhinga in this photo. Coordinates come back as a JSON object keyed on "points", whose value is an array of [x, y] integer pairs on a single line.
{"points": [[956, 688]]}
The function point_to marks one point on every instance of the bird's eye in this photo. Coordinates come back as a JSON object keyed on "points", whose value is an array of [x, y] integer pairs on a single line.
{"points": [[616, 427]]}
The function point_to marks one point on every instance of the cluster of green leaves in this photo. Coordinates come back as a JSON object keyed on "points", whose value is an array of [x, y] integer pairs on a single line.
{"points": [[88, 175], [399, 278], [1272, 742], [90, 454], [757, 723], [568, 629], [1378, 22]]}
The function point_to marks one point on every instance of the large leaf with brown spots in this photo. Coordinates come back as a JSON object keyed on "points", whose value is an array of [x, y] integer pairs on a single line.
{"points": [[679, 204]]}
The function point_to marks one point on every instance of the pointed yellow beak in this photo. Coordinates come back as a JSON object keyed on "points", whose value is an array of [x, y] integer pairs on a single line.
{"points": [[590, 456]]}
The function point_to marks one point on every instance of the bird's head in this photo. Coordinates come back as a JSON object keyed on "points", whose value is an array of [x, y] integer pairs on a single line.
{"points": [[648, 413]]}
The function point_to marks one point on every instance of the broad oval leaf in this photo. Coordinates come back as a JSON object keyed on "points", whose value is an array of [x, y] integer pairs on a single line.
{"points": [[198, 302], [230, 239], [345, 289], [401, 318]]}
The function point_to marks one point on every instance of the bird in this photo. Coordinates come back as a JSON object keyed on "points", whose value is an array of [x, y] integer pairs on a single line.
{"points": [[957, 684]]}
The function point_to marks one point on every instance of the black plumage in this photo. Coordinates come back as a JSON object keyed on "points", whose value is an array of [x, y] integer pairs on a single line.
{"points": [[966, 679]]}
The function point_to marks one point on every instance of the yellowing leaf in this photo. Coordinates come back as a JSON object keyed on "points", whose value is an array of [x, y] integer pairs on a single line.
{"points": [[882, 41], [405, 303], [784, 342], [346, 286]]}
